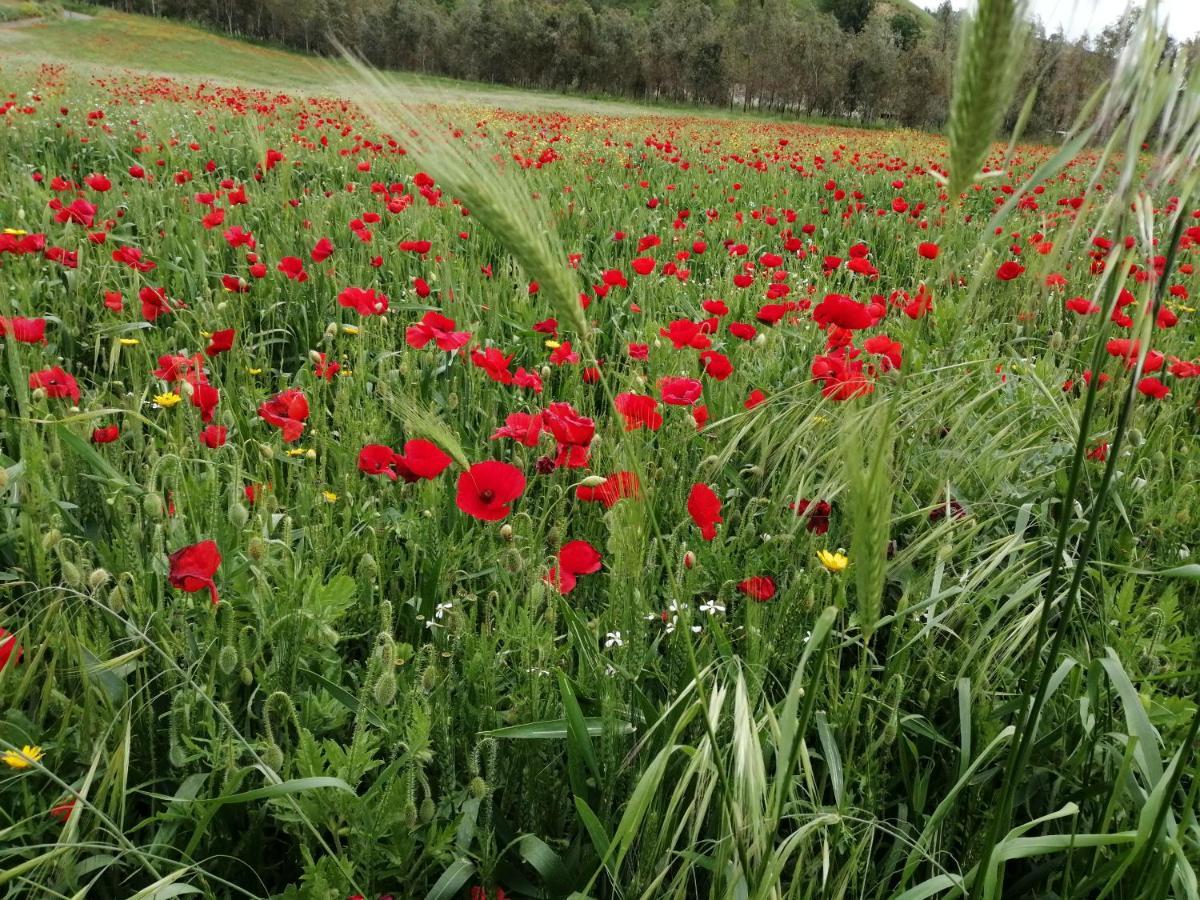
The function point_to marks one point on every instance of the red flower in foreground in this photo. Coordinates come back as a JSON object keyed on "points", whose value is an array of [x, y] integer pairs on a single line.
{"points": [[214, 436], [365, 301], [704, 506], [322, 251], [220, 342], [574, 559], [487, 489], [928, 250], [639, 411], [437, 328], [23, 330], [106, 434], [10, 650], [758, 587], [62, 811], [815, 512], [1009, 270], [679, 391], [57, 383], [1152, 387], [287, 411], [193, 568], [616, 487]]}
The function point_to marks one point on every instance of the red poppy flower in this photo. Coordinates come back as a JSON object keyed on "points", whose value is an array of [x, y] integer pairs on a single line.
{"points": [[494, 363], [574, 559], [287, 411], [114, 301], [205, 398], [617, 486], [758, 587], [844, 312], [815, 513], [293, 268], [193, 568], [524, 428], [486, 490], [716, 365], [62, 811], [378, 459], [756, 397], [220, 342], [23, 330], [568, 426], [704, 506], [154, 303], [57, 383], [639, 411], [105, 434], [686, 333], [322, 250], [643, 265], [1152, 387], [679, 391], [928, 250], [1082, 306], [421, 459], [10, 650], [365, 301], [437, 328], [1009, 270], [214, 436]]}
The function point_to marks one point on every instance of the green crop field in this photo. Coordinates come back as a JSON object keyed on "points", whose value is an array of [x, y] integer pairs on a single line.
{"points": [[423, 489]]}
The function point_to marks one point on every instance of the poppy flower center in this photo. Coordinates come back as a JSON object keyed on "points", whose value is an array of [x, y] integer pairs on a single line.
{"points": [[487, 495]]}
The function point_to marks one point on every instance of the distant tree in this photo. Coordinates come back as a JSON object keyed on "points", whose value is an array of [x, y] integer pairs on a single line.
{"points": [[852, 15], [906, 29]]}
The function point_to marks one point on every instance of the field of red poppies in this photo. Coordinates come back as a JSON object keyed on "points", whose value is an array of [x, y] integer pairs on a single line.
{"points": [[355, 545]]}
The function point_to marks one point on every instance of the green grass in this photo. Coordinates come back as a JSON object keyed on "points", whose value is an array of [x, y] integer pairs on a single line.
{"points": [[997, 696]]}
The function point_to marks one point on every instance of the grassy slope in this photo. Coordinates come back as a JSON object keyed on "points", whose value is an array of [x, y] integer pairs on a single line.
{"points": [[112, 40]]}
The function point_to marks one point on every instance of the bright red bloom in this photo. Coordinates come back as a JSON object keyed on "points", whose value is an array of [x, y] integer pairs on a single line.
{"points": [[716, 365], [815, 513], [574, 559], [928, 250], [639, 411], [756, 397], [105, 434], [1152, 387], [844, 312], [568, 426], [214, 436], [758, 587], [679, 391], [322, 250], [293, 268], [1082, 306], [57, 383], [437, 328], [62, 811], [193, 568], [220, 342], [743, 330], [494, 363], [524, 428], [617, 486], [23, 330], [882, 345], [704, 506], [365, 301], [205, 398], [421, 460], [486, 490], [686, 333], [10, 650], [1009, 270], [132, 257], [643, 265], [154, 303], [287, 411], [378, 459]]}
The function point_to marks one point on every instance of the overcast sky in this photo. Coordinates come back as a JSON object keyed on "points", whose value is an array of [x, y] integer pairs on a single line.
{"points": [[1078, 16]]}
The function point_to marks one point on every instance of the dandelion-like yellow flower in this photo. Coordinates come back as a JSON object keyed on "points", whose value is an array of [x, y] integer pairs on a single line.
{"points": [[330, 496], [552, 344], [128, 342], [349, 329], [23, 758], [16, 232], [296, 451], [253, 371], [166, 401], [834, 562]]}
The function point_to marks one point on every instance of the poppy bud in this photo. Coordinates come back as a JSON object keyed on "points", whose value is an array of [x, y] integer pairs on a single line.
{"points": [[238, 514], [116, 598], [56, 462], [177, 757], [38, 394], [266, 451], [227, 659], [256, 549], [512, 561], [310, 454], [1136, 438], [1057, 340], [478, 788], [506, 531], [273, 756], [429, 678], [545, 371], [385, 688], [689, 560], [3, 478], [410, 814], [153, 506], [50, 539], [70, 573], [247, 676], [427, 812], [593, 481], [98, 578], [187, 388], [368, 566], [452, 400], [760, 340], [330, 330], [314, 357]]}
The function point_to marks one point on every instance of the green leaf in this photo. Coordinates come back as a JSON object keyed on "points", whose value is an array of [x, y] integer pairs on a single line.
{"points": [[283, 789], [556, 729], [342, 696], [455, 876]]}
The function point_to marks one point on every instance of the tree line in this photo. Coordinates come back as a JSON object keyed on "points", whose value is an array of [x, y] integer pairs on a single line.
{"points": [[863, 59]]}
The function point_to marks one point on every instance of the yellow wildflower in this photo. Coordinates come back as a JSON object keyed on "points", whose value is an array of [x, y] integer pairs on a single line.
{"points": [[23, 758], [296, 451], [552, 344], [834, 562], [16, 232], [349, 329], [167, 400], [129, 342], [330, 496]]}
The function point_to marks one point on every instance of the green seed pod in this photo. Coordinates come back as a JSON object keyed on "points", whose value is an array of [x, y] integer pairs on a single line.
{"points": [[227, 659], [478, 788], [367, 566], [410, 814], [117, 598], [177, 757], [247, 676], [429, 678], [266, 451], [273, 756], [97, 578], [71, 574], [50, 539], [512, 561], [256, 548], [38, 395]]}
